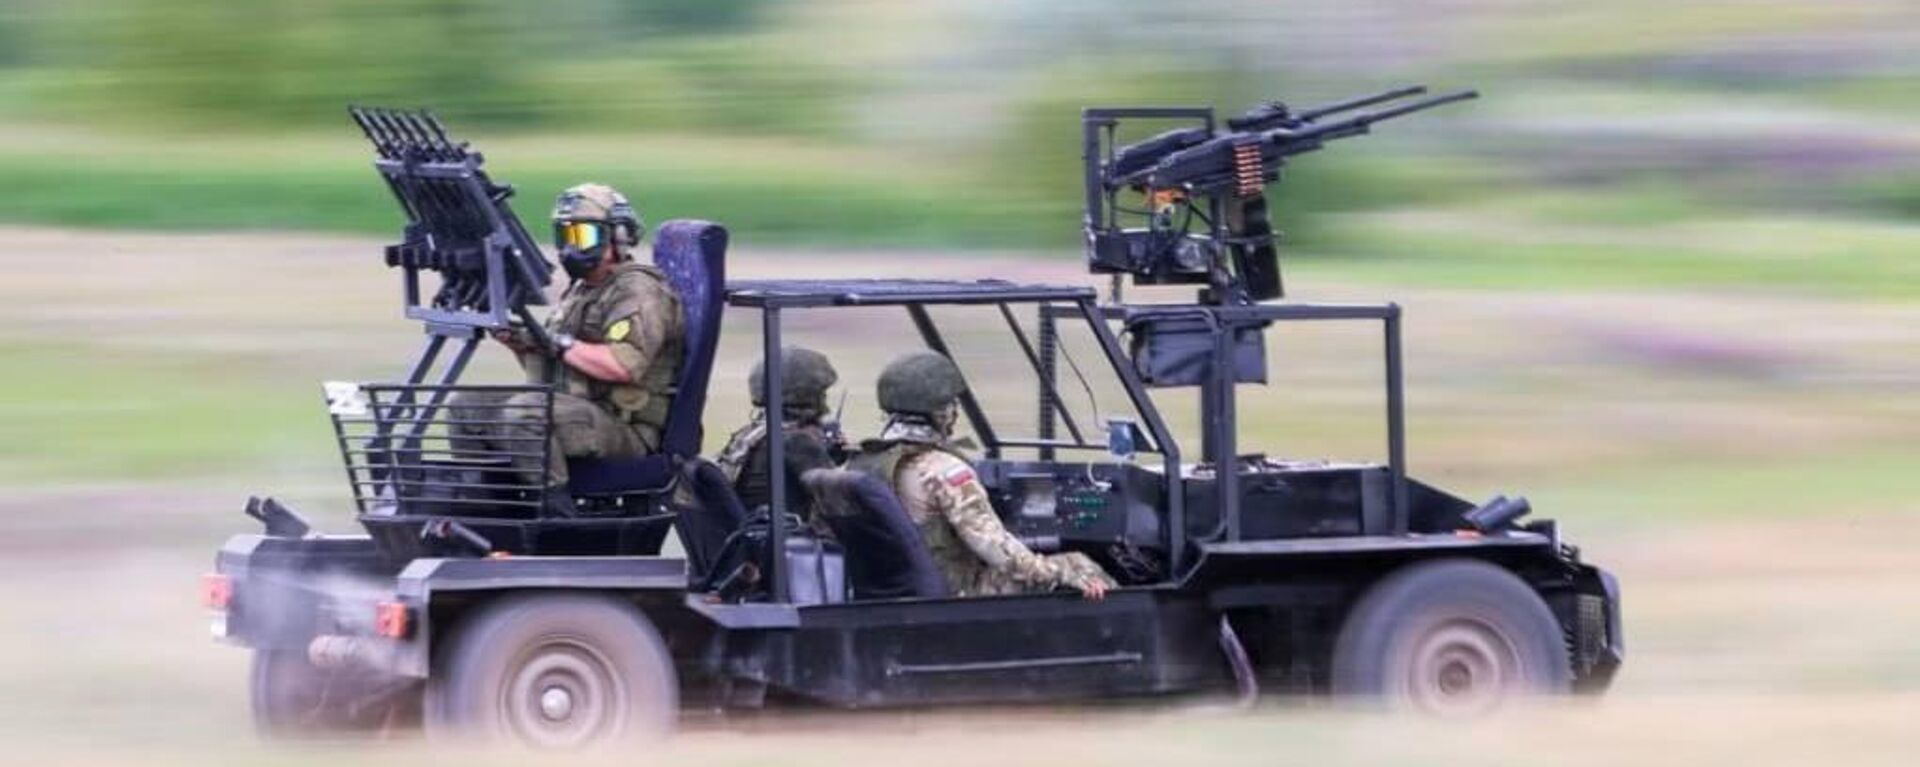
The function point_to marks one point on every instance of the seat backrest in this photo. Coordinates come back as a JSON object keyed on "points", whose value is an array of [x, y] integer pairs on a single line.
{"points": [[885, 556], [715, 515], [693, 254]]}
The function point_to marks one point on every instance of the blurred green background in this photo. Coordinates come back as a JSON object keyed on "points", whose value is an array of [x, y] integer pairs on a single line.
{"points": [[1660, 279], [1750, 143]]}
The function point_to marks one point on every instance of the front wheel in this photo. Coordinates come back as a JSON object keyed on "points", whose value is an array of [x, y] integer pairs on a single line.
{"points": [[553, 671], [1452, 637]]}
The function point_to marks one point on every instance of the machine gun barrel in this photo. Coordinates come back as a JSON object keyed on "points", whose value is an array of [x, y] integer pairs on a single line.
{"points": [[1274, 114], [1210, 165], [1364, 101], [1358, 124]]}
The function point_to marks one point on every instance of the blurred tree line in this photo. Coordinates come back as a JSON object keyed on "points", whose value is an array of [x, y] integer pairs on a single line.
{"points": [[1005, 106], [968, 104], [634, 64]]}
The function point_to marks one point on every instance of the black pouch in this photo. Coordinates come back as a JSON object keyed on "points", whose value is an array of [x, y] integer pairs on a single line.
{"points": [[1177, 350]]}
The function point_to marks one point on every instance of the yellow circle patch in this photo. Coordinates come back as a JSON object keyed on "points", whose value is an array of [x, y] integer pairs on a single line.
{"points": [[618, 331]]}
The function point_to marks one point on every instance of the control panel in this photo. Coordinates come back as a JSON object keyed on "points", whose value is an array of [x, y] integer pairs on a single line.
{"points": [[1055, 505], [1049, 504]]}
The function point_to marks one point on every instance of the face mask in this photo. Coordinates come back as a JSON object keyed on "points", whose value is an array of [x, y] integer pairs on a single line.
{"points": [[582, 244]]}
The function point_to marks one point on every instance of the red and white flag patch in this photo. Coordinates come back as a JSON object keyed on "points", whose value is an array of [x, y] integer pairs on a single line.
{"points": [[957, 476]]}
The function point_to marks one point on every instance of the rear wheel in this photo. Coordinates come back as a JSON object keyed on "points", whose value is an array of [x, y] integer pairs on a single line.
{"points": [[292, 698], [553, 671], [1453, 637]]}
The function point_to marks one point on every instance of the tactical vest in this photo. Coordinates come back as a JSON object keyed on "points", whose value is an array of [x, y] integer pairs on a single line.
{"points": [[585, 312], [746, 460], [733, 458]]}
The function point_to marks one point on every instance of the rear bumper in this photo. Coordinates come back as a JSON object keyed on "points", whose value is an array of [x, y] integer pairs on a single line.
{"points": [[286, 592]]}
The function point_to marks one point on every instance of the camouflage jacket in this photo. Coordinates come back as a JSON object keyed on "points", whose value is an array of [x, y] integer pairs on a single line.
{"points": [[637, 313], [945, 499]]}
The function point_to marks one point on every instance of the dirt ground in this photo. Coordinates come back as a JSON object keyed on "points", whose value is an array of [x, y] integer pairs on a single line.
{"points": [[1744, 462]]}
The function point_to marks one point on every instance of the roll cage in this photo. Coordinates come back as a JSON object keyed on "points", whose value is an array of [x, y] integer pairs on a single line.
{"points": [[1055, 304]]}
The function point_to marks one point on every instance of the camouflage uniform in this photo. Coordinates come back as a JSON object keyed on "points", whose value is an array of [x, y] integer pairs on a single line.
{"points": [[945, 499], [635, 311], [811, 440]]}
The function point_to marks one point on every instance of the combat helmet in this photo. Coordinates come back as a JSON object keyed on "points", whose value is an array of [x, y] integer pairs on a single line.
{"points": [[601, 205], [921, 383], [805, 376]]}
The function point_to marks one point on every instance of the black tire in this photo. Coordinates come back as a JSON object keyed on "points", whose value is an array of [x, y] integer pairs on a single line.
{"points": [[553, 671], [294, 700], [1453, 637]]}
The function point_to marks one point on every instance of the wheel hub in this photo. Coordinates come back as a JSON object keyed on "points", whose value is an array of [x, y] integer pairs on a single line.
{"points": [[564, 695], [1462, 668], [1455, 678], [556, 703]]}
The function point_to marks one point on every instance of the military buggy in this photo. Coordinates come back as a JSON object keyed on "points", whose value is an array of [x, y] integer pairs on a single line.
{"points": [[471, 607]]}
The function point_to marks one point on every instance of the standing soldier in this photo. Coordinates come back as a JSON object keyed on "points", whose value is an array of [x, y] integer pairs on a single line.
{"points": [[920, 393], [619, 335], [812, 440]]}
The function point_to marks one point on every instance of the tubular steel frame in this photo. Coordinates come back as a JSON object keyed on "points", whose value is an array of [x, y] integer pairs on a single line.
{"points": [[1220, 435], [380, 448]]}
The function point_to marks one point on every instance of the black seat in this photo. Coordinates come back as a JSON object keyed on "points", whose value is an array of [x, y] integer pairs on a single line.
{"points": [[693, 254], [717, 513], [886, 557]]}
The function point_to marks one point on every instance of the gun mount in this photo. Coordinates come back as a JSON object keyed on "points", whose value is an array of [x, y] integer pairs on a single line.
{"points": [[459, 226], [1203, 217], [395, 437]]}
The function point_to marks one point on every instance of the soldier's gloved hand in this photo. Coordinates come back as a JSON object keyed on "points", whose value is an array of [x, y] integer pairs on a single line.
{"points": [[515, 339]]}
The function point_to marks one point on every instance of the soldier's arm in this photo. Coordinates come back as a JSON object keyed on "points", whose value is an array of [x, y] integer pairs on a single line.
{"points": [[598, 361], [956, 493], [642, 321]]}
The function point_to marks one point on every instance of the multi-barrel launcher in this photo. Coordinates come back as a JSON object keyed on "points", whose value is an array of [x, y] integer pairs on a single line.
{"points": [[1202, 216], [459, 226]]}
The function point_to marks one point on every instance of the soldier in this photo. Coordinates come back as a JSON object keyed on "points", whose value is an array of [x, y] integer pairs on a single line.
{"points": [[619, 334], [813, 441], [920, 393]]}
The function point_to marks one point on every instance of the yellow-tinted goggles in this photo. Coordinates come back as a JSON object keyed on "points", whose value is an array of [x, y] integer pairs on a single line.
{"points": [[583, 235]]}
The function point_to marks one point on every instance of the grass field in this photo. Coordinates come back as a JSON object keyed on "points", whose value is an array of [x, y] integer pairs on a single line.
{"points": [[1742, 459]]}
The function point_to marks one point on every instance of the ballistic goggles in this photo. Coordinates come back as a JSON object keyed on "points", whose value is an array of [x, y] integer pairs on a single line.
{"points": [[585, 236]]}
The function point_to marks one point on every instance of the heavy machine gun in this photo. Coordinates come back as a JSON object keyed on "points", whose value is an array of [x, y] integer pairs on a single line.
{"points": [[1203, 189]]}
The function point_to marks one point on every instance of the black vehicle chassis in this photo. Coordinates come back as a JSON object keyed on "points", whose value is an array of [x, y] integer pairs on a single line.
{"points": [[1156, 640]]}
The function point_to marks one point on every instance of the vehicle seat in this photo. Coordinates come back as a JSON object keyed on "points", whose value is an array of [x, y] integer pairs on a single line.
{"points": [[693, 255], [715, 515], [885, 555]]}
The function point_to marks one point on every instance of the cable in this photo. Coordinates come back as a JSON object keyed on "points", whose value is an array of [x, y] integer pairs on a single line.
{"points": [[1092, 401]]}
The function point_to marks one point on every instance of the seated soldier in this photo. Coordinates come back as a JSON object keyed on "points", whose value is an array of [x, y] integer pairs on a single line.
{"points": [[619, 334], [920, 393], [812, 441]]}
